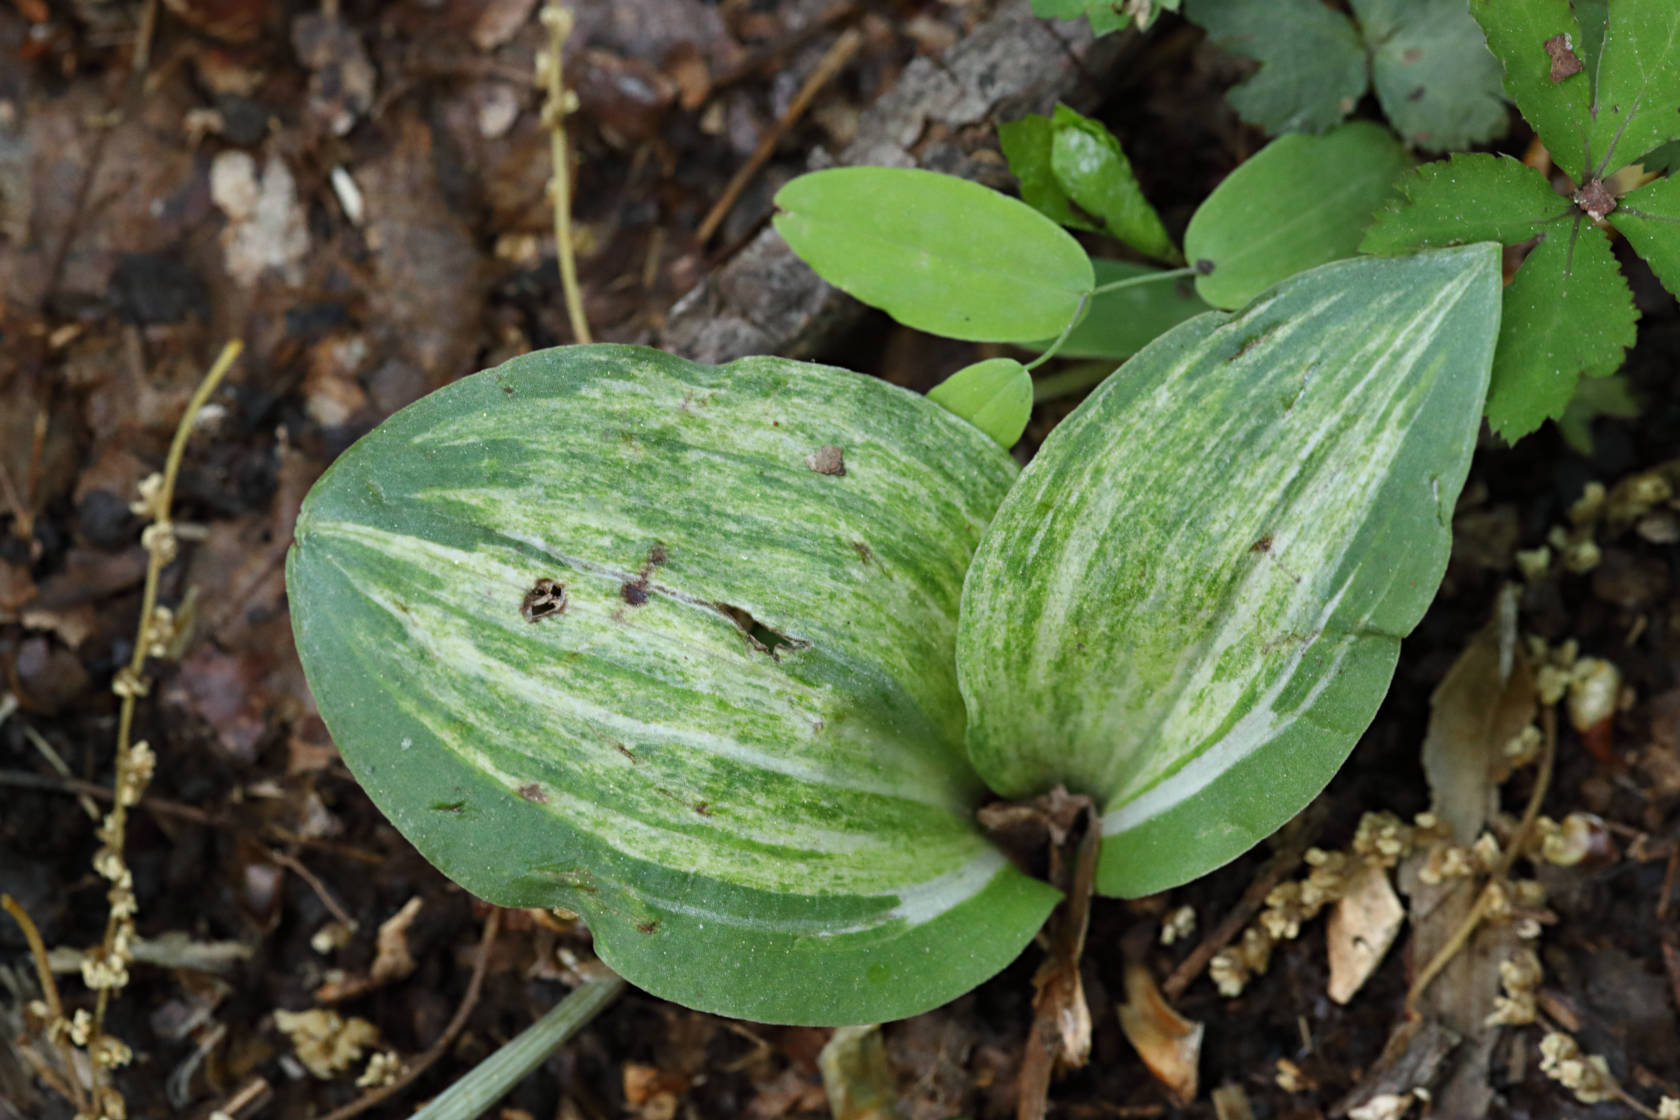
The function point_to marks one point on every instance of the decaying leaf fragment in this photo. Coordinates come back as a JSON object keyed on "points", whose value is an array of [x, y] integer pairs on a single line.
{"points": [[1169, 1044], [1361, 928]]}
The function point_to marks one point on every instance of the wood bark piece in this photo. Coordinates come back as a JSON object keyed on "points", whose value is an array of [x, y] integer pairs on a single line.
{"points": [[766, 301]]}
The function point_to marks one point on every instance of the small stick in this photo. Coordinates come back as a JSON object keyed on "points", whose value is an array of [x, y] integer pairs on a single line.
{"points": [[838, 56], [1276, 869], [559, 23], [297, 867], [49, 990], [424, 1062]]}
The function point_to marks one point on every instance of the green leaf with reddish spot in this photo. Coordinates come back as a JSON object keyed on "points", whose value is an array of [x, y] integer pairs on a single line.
{"points": [[1650, 220], [1466, 197], [995, 395], [1190, 604], [673, 646], [1568, 314], [1518, 32], [936, 252], [1092, 170], [1432, 71], [1312, 61], [1298, 202]]}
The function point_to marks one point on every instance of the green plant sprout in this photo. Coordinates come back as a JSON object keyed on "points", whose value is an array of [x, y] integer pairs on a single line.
{"points": [[727, 659], [1106, 15], [1601, 88]]}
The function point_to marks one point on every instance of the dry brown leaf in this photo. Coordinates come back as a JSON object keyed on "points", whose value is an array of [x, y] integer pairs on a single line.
{"points": [[1362, 926], [857, 1077], [325, 1041], [1169, 1044], [391, 958]]}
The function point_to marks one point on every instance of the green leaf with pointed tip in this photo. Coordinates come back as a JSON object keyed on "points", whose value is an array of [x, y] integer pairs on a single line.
{"points": [[1466, 197], [1090, 167], [1125, 320], [1568, 314], [1650, 219], [1191, 603], [1312, 62], [1636, 103], [995, 395], [1517, 33], [1298, 202], [1027, 145], [1436, 79], [1105, 15], [671, 646], [936, 252]]}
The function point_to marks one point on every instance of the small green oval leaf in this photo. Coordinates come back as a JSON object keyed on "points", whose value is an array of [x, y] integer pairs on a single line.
{"points": [[1090, 166], [672, 646], [1191, 602], [1298, 202], [936, 252], [995, 395]]}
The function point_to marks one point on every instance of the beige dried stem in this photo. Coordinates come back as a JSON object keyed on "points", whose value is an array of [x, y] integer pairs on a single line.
{"points": [[558, 20], [105, 969]]}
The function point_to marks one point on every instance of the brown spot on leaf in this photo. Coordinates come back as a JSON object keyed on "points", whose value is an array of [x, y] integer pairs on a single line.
{"points": [[1264, 544], [626, 752], [827, 459], [1595, 199], [546, 599], [862, 551], [534, 792], [1412, 54], [648, 927], [634, 593], [704, 808], [1565, 63]]}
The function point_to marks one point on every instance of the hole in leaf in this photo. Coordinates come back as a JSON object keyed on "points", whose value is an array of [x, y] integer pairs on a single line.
{"points": [[546, 599], [759, 636]]}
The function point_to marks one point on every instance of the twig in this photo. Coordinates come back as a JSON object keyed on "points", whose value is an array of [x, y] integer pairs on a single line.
{"points": [[1491, 892], [49, 990], [134, 760], [1275, 871], [297, 867], [424, 1061], [558, 21], [838, 56]]}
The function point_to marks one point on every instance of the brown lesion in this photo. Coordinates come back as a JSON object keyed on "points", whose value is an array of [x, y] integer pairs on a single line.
{"points": [[546, 599], [635, 591], [828, 459], [534, 792], [1565, 62]]}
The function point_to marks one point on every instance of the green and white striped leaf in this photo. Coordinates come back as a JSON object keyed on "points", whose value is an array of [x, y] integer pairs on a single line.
{"points": [[672, 646], [1191, 603]]}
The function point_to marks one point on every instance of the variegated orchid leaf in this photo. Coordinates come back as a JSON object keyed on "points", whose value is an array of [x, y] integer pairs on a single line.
{"points": [[673, 646], [1191, 603]]}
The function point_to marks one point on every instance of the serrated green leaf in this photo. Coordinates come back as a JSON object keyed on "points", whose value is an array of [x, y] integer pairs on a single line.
{"points": [[1191, 603], [1094, 172], [1650, 220], [1298, 202], [1637, 103], [1027, 144], [1123, 321], [936, 252], [1466, 197], [734, 740], [1518, 33], [1568, 314], [1595, 398], [995, 395], [1436, 79], [1312, 62]]}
